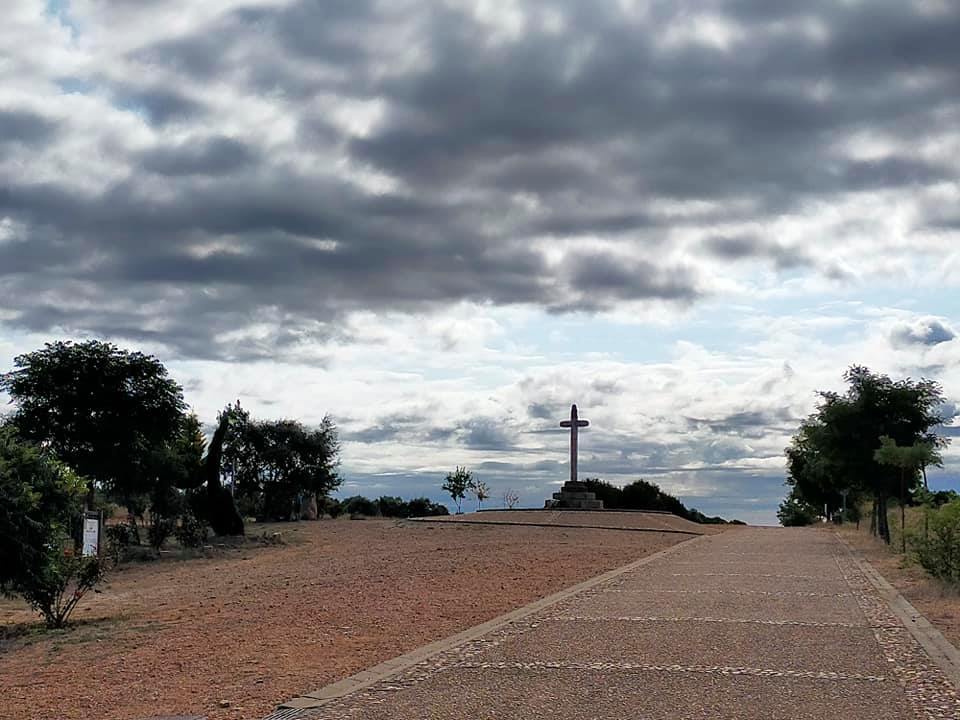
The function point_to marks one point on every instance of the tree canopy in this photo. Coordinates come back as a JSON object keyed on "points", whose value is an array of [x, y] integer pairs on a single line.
{"points": [[101, 409], [643, 495], [456, 484], [835, 448], [274, 463]]}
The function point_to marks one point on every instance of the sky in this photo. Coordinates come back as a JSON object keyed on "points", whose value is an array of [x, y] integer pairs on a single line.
{"points": [[442, 223]]}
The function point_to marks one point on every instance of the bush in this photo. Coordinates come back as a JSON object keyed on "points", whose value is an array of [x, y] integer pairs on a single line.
{"points": [[393, 507], [423, 507], [939, 552], [795, 512], [62, 582], [360, 505], [332, 507], [119, 539], [191, 532], [160, 529], [40, 499]]}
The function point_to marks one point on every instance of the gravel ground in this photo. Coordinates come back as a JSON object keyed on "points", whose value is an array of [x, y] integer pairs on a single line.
{"points": [[578, 660], [938, 603], [255, 627]]}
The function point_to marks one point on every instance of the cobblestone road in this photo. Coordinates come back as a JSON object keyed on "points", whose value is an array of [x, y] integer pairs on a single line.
{"points": [[749, 624]]}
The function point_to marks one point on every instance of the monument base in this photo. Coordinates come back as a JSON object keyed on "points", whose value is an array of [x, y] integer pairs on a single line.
{"points": [[574, 496]]}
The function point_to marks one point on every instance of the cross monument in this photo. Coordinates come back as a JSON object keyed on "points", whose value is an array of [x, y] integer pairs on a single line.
{"points": [[574, 423], [574, 494]]}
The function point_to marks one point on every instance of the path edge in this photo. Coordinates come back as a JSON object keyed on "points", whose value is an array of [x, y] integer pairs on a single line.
{"points": [[506, 523], [387, 669], [940, 650]]}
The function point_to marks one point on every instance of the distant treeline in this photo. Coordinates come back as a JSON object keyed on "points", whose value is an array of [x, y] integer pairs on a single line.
{"points": [[642, 495], [384, 506]]}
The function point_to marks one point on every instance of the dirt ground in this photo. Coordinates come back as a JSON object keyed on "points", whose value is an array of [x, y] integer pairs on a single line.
{"points": [[257, 626], [937, 602]]}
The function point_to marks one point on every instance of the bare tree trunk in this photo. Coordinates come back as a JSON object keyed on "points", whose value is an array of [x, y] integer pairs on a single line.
{"points": [[883, 521], [873, 517], [926, 509], [903, 512]]}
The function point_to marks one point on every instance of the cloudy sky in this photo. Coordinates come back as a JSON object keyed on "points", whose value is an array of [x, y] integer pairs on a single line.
{"points": [[444, 222]]}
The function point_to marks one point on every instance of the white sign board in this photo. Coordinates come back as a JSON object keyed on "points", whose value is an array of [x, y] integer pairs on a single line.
{"points": [[91, 535]]}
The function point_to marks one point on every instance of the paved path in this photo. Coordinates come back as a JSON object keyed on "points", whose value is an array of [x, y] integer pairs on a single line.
{"points": [[749, 624]]}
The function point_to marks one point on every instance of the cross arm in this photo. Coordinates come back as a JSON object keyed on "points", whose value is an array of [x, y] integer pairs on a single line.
{"points": [[565, 423]]}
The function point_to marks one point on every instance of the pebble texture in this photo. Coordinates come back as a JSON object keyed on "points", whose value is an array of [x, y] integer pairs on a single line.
{"points": [[755, 623]]}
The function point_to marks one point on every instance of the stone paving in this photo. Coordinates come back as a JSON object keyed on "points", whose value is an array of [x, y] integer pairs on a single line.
{"points": [[750, 624]]}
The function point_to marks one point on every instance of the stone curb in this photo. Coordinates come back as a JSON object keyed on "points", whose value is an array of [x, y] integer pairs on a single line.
{"points": [[384, 670], [553, 525], [940, 650]]}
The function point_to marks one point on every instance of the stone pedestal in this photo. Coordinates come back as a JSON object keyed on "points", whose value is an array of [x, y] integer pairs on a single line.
{"points": [[574, 496]]}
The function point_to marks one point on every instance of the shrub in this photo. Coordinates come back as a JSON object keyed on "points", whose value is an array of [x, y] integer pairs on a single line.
{"points": [[331, 506], [939, 552], [119, 539], [360, 505], [40, 499], [62, 582], [423, 507], [191, 532], [794, 512], [160, 529], [393, 507]]}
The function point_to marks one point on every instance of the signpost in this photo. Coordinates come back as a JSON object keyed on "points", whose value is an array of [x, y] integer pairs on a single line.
{"points": [[92, 525]]}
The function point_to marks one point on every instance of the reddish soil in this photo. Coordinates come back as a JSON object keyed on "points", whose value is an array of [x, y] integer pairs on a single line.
{"points": [[937, 602], [257, 626]]}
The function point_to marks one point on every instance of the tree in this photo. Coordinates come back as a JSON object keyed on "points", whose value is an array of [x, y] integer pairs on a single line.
{"points": [[99, 408], [39, 500], [909, 461], [276, 463], [795, 511], [395, 507], [456, 485], [834, 448], [424, 507], [480, 490], [215, 504], [510, 498]]}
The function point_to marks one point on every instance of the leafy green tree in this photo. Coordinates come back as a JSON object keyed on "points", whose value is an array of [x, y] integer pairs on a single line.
{"points": [[360, 505], [795, 511], [424, 507], [480, 490], [39, 500], [395, 507], [909, 461], [99, 408], [276, 463], [456, 485], [835, 447]]}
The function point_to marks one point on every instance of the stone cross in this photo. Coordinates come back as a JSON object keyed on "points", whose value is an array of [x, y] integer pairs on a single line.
{"points": [[574, 423]]}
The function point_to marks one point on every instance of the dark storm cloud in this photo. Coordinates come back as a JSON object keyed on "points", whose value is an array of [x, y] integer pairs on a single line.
{"points": [[495, 145], [748, 423], [923, 332], [745, 247], [604, 279], [19, 126], [159, 105], [213, 156]]}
